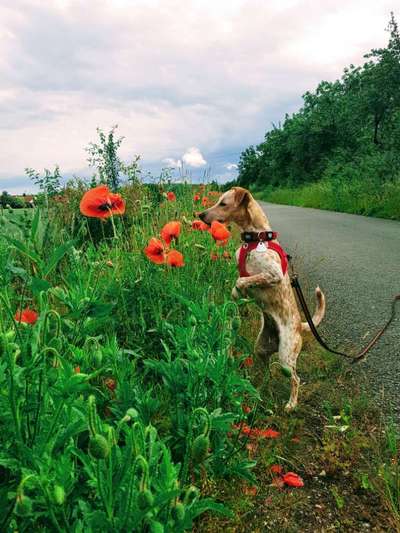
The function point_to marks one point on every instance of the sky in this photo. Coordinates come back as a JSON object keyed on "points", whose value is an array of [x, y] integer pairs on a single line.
{"points": [[190, 84]]}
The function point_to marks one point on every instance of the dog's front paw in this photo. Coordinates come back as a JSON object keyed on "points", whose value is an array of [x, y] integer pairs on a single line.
{"points": [[235, 294], [241, 287]]}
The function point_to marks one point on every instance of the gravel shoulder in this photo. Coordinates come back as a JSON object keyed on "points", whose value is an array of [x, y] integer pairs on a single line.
{"points": [[356, 262]]}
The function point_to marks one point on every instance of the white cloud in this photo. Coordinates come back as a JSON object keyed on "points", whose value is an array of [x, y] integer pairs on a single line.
{"points": [[170, 162], [231, 166], [194, 158]]}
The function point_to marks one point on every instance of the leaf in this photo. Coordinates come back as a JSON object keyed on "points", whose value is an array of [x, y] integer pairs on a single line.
{"points": [[38, 285], [17, 271], [57, 256], [20, 246], [210, 505]]}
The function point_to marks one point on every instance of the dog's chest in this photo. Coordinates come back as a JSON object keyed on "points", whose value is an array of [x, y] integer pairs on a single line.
{"points": [[257, 259]]}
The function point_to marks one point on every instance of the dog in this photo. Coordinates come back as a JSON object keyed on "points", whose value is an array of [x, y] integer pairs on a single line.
{"points": [[265, 279]]}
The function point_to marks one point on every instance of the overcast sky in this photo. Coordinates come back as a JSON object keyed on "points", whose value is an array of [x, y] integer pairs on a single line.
{"points": [[194, 81]]}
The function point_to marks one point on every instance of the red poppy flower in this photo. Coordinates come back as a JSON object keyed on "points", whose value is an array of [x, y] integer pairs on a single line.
{"points": [[248, 362], [171, 197], [276, 469], [199, 225], [246, 408], [204, 201], [170, 231], [196, 198], [155, 251], [27, 316], [77, 370], [111, 384], [214, 256], [175, 259], [219, 231], [292, 480], [250, 491], [100, 202], [268, 433]]}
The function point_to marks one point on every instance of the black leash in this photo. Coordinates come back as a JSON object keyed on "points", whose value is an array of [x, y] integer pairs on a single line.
{"points": [[355, 359]]}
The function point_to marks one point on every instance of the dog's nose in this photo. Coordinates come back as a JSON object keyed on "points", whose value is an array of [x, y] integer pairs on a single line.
{"points": [[202, 216]]}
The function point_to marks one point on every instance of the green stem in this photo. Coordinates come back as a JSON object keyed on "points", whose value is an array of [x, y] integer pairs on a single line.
{"points": [[55, 422]]}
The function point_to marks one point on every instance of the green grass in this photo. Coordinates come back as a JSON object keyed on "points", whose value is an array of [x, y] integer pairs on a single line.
{"points": [[355, 196], [119, 405]]}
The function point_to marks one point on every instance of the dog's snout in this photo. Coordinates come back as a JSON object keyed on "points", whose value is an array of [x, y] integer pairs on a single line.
{"points": [[202, 216]]}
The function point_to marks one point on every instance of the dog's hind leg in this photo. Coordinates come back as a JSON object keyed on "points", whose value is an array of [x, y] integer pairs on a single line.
{"points": [[266, 344], [290, 343], [267, 341]]}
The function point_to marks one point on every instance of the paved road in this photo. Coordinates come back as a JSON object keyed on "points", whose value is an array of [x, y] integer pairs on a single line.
{"points": [[356, 262]]}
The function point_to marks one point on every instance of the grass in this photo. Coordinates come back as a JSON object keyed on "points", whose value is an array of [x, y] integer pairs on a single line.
{"points": [[119, 404], [355, 196]]}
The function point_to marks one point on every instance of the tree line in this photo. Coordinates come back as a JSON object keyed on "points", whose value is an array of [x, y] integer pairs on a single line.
{"points": [[347, 129]]}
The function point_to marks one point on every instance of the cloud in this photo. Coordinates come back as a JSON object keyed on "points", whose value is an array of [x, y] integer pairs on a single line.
{"points": [[194, 158], [170, 162], [205, 74], [231, 166]]}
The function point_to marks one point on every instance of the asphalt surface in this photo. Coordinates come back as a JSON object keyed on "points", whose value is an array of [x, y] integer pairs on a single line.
{"points": [[356, 262]]}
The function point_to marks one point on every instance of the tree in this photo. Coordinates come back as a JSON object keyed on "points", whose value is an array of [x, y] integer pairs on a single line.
{"points": [[49, 182], [104, 157]]}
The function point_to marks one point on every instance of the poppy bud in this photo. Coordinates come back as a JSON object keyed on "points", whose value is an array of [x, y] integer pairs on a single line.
{"points": [[156, 527], [97, 358], [59, 494], [200, 448], [235, 323], [132, 413], [23, 506], [98, 447], [178, 512], [52, 375], [145, 499]]}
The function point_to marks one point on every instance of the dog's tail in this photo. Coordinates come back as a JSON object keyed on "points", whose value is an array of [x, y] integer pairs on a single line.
{"points": [[319, 311]]}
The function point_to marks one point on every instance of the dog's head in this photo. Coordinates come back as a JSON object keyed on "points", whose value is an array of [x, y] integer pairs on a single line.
{"points": [[232, 206]]}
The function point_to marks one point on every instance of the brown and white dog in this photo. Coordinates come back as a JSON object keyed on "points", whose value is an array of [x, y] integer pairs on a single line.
{"points": [[267, 284]]}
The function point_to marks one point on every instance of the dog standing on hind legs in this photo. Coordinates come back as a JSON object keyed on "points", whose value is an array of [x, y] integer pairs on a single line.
{"points": [[264, 277]]}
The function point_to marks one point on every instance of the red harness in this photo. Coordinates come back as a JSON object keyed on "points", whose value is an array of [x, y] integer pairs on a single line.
{"points": [[249, 246]]}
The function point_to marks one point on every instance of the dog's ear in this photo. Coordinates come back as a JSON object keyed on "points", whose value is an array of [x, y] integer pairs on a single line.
{"points": [[242, 196]]}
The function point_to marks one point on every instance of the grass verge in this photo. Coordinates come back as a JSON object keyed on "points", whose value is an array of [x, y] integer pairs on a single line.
{"points": [[355, 196]]}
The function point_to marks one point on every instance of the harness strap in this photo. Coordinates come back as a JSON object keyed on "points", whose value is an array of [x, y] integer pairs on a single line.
{"points": [[249, 246]]}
